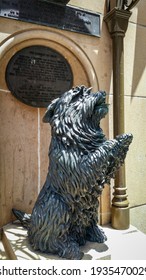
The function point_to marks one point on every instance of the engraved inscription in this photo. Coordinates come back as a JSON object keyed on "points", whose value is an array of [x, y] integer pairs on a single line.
{"points": [[52, 14], [37, 74]]}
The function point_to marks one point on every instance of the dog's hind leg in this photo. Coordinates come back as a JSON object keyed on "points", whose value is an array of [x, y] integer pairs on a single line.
{"points": [[49, 229], [70, 250]]}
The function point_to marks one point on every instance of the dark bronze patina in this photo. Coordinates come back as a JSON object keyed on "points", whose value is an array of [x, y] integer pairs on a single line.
{"points": [[81, 161]]}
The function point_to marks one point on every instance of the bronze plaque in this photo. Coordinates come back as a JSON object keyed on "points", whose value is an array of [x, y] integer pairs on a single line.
{"points": [[38, 74], [52, 14]]}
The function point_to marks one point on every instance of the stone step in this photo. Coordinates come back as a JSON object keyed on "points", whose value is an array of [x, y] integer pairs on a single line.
{"points": [[6, 250], [17, 237]]}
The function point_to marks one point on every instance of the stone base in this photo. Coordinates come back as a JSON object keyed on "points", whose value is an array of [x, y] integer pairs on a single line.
{"points": [[17, 236], [127, 244]]}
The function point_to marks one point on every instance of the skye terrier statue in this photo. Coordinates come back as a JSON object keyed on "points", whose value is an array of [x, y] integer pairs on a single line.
{"points": [[81, 161]]}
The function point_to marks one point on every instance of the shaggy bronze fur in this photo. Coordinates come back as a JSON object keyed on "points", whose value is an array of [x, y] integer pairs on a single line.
{"points": [[81, 161]]}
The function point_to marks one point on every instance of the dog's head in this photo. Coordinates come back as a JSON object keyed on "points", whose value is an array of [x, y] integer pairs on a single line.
{"points": [[76, 115]]}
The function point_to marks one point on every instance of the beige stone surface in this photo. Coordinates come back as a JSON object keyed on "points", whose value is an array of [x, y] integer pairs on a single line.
{"points": [[137, 217], [17, 237], [135, 60], [24, 139], [135, 120], [127, 244], [2, 252], [135, 162], [95, 6], [18, 155], [138, 13]]}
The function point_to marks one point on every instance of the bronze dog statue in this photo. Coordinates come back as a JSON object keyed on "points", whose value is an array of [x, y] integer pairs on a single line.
{"points": [[81, 161]]}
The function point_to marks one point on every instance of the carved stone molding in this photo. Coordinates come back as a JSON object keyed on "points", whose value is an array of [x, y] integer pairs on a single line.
{"points": [[52, 39], [117, 21]]}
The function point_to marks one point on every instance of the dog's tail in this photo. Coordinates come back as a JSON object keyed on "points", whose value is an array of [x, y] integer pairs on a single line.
{"points": [[22, 217]]}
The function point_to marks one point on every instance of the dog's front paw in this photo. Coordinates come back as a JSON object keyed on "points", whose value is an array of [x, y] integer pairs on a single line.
{"points": [[95, 234]]}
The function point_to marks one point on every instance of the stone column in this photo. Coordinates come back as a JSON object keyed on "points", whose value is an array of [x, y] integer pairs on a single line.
{"points": [[117, 22]]}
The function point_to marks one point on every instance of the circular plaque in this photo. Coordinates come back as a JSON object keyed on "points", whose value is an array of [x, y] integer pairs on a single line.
{"points": [[37, 74]]}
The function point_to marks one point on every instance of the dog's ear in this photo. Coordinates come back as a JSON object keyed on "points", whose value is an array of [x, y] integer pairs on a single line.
{"points": [[50, 111]]}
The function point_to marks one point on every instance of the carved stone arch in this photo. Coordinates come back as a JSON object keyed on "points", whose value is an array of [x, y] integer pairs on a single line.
{"points": [[82, 68], [24, 138]]}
